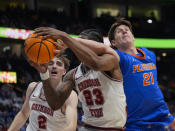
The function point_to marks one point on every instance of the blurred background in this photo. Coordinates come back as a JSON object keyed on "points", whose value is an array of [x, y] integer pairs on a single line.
{"points": [[153, 19]]}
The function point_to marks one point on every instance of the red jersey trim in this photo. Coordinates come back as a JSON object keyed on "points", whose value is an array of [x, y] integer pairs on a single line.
{"points": [[34, 90], [113, 79]]}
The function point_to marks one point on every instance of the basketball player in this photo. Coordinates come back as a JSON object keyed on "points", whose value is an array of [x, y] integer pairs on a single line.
{"points": [[99, 85], [147, 109], [41, 116]]}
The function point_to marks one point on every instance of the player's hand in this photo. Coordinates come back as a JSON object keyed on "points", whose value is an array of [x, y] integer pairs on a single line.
{"points": [[173, 125], [48, 32], [60, 47], [42, 68]]}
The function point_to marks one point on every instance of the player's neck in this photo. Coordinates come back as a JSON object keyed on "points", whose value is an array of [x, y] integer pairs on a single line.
{"points": [[130, 50], [84, 69]]}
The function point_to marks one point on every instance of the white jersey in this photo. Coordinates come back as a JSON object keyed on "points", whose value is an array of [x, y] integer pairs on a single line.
{"points": [[42, 117], [103, 99]]}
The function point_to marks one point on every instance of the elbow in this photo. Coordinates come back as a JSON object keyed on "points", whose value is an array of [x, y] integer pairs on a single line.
{"points": [[94, 66], [103, 49]]}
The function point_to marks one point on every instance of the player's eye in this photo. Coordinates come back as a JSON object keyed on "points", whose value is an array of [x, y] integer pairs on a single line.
{"points": [[119, 31], [51, 63], [59, 63], [126, 29]]}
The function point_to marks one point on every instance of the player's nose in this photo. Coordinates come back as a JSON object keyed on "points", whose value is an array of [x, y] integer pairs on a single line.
{"points": [[124, 32], [54, 65]]}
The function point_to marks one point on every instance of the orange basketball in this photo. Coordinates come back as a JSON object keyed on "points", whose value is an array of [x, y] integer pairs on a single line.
{"points": [[39, 50]]}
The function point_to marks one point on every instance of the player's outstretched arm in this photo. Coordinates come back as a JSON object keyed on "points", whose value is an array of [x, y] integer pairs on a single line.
{"points": [[71, 111], [84, 52], [97, 47], [23, 114], [75, 43], [57, 97], [107, 60]]}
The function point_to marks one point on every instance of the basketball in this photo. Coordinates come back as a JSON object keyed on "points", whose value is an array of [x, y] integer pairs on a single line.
{"points": [[39, 50]]}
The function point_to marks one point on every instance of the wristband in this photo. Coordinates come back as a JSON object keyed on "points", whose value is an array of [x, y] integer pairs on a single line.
{"points": [[44, 76]]}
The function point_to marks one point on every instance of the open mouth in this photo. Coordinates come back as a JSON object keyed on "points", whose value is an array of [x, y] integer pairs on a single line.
{"points": [[125, 36], [53, 72]]}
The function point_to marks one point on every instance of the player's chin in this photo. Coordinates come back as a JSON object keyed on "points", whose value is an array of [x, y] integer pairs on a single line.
{"points": [[54, 76]]}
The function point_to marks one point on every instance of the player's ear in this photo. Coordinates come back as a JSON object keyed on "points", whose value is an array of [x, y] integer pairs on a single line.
{"points": [[64, 72], [112, 43], [133, 37]]}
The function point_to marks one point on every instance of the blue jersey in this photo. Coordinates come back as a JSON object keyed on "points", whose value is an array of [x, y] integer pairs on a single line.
{"points": [[145, 102]]}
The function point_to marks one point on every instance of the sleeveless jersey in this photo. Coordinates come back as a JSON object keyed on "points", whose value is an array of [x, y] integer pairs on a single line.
{"points": [[103, 99], [145, 102], [42, 117]]}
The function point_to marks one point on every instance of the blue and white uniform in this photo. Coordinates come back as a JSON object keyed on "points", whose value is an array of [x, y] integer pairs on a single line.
{"points": [[145, 103]]}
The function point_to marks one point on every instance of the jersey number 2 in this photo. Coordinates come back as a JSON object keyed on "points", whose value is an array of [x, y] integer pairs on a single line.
{"points": [[42, 122], [147, 77], [89, 98]]}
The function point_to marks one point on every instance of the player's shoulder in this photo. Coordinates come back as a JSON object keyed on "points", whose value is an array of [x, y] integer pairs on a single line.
{"points": [[73, 93], [73, 98], [31, 87], [73, 70], [120, 53], [123, 56], [147, 51]]}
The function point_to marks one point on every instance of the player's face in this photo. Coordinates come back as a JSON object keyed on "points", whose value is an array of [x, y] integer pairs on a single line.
{"points": [[56, 68], [123, 37]]}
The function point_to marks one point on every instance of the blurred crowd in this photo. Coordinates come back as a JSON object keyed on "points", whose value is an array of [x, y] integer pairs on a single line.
{"points": [[18, 17], [12, 96]]}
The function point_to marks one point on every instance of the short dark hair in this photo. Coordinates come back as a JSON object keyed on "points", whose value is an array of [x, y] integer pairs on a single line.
{"points": [[64, 59], [93, 34], [121, 21]]}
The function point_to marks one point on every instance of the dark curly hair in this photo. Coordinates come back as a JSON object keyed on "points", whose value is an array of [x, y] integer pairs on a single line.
{"points": [[93, 34]]}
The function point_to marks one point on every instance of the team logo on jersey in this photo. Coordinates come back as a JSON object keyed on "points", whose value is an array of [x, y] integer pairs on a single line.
{"points": [[41, 108], [88, 83], [143, 67], [96, 112]]}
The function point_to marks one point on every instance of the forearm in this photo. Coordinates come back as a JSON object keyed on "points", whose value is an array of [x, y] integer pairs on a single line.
{"points": [[53, 97], [56, 96], [18, 122], [97, 47], [84, 54]]}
